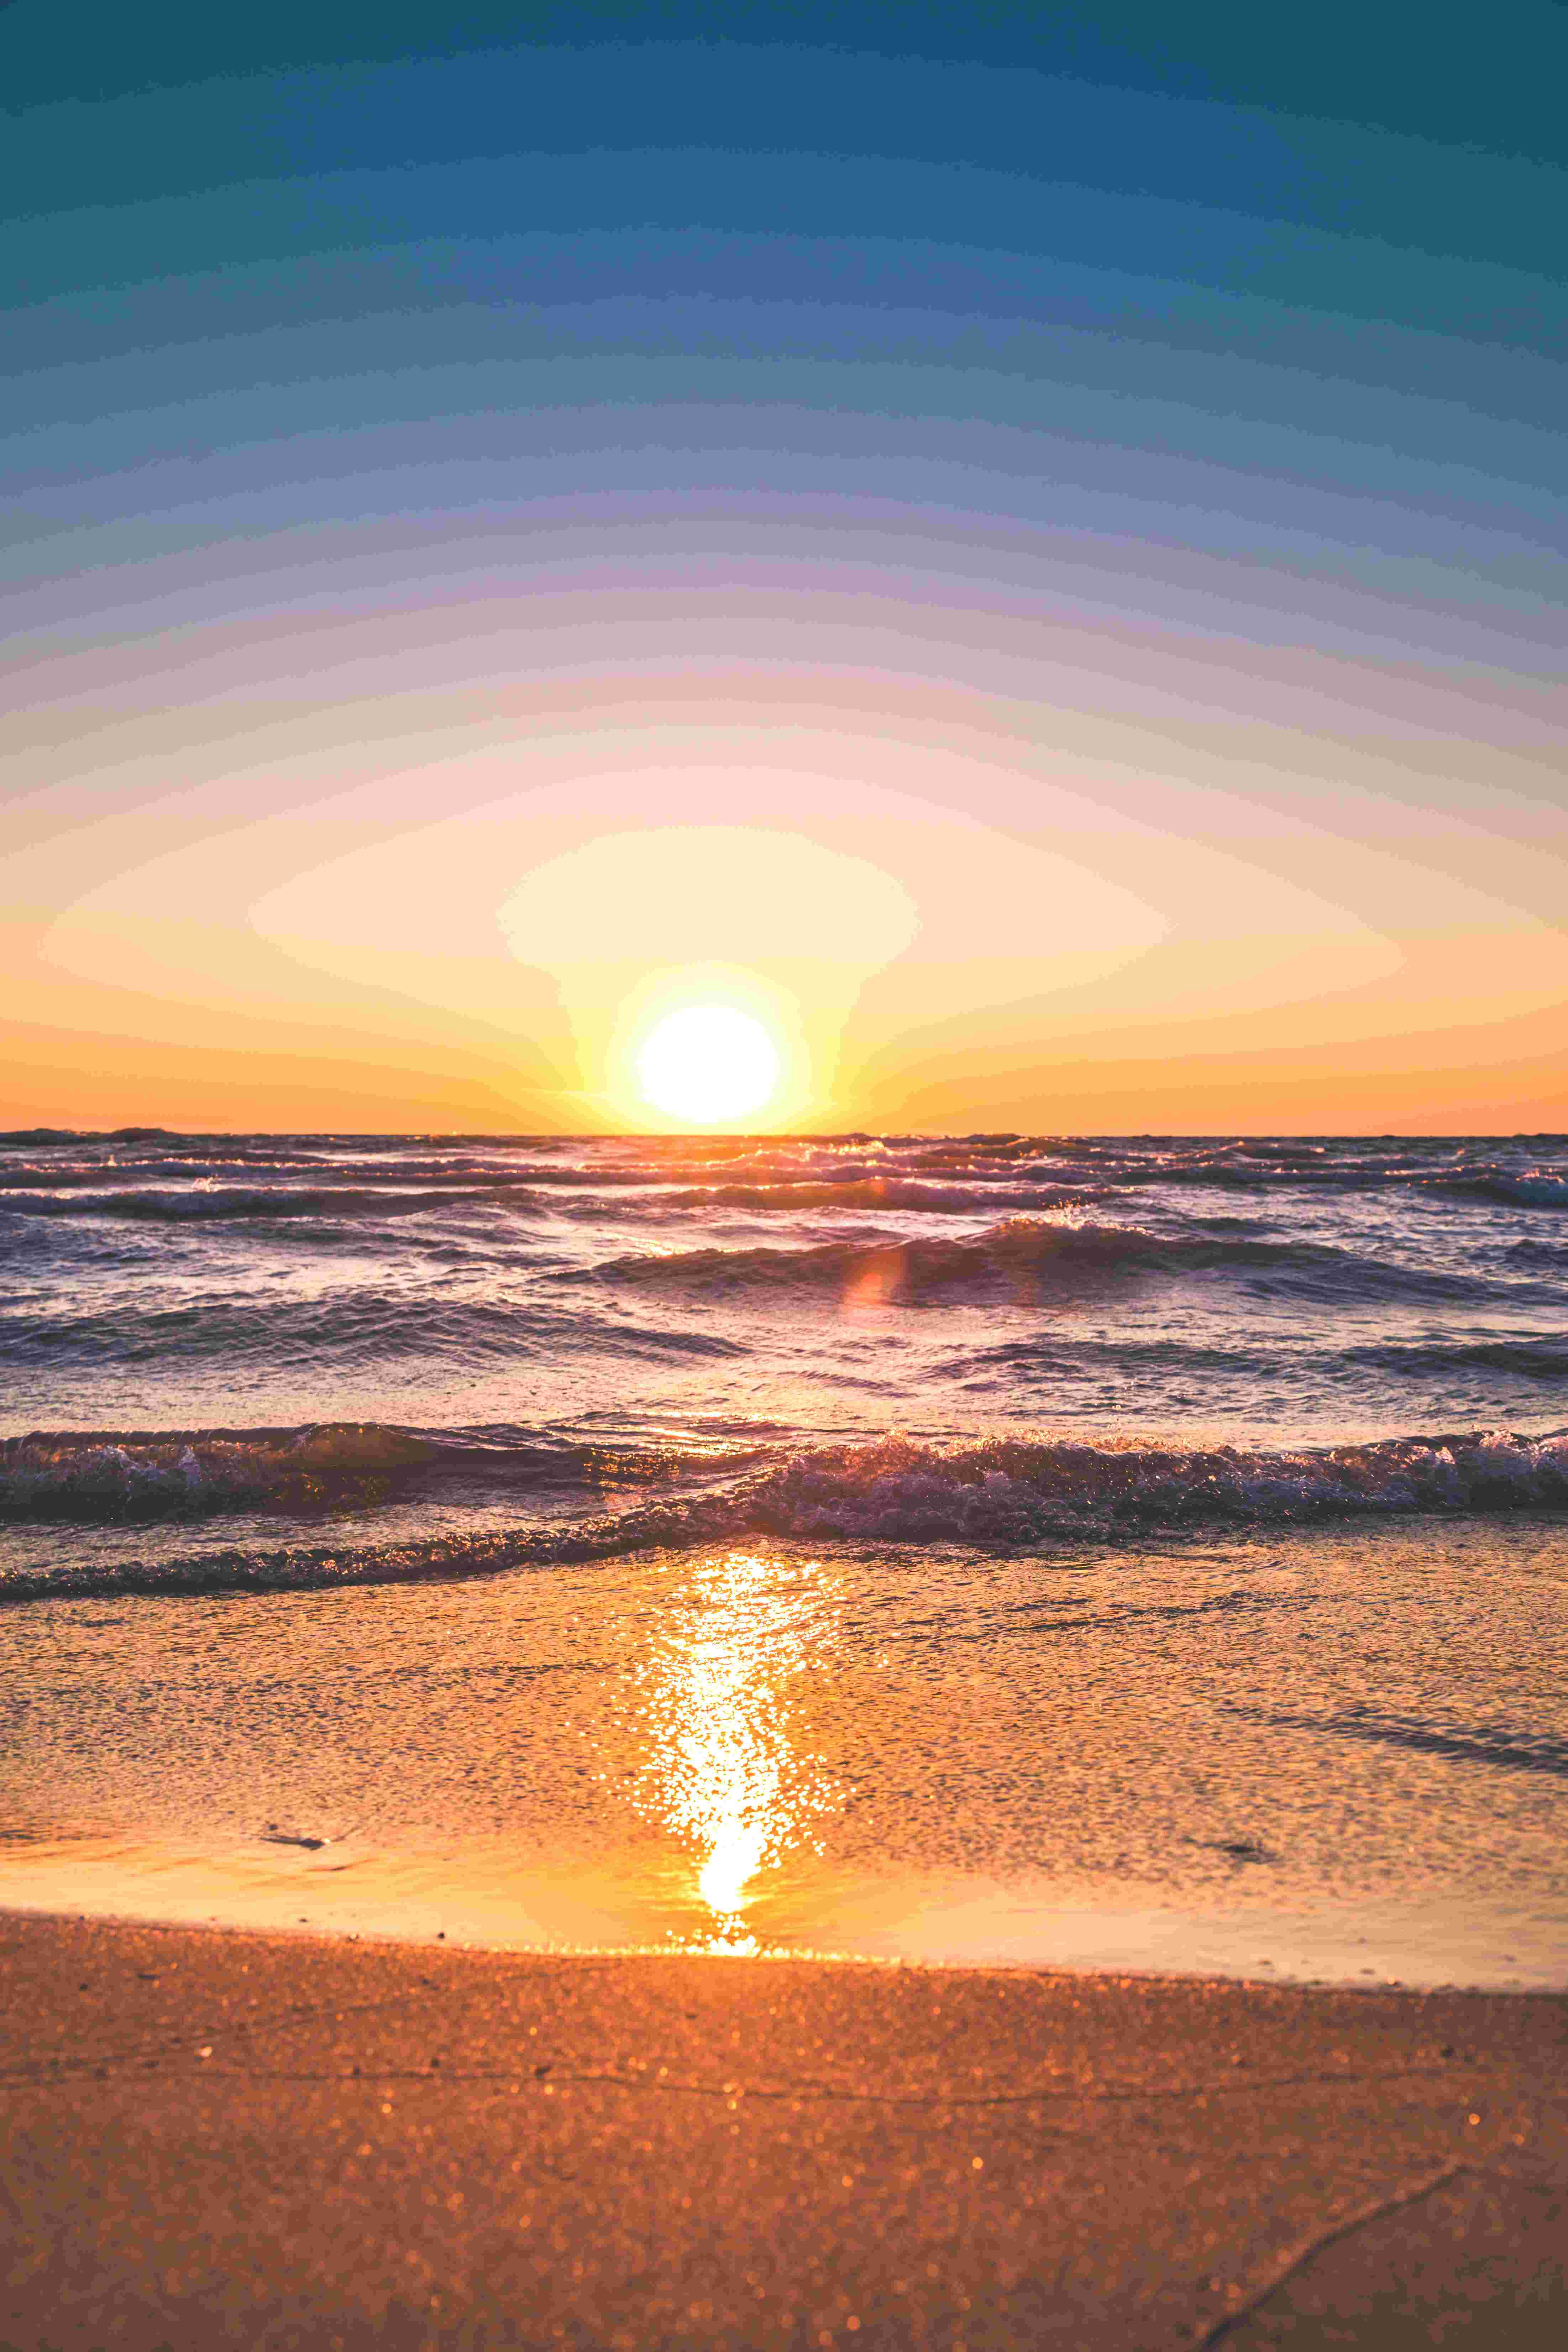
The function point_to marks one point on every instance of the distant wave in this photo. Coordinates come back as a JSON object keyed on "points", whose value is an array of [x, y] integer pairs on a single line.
{"points": [[455, 1179], [777, 1174], [1257, 1166], [344, 1328], [1545, 1250], [224, 1202], [879, 1192], [1542, 1358], [1003, 1494], [125, 1175], [1538, 1190], [1020, 1258], [183, 1141], [13, 1137]]}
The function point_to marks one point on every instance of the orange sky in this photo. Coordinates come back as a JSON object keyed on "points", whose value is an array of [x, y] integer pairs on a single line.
{"points": [[1069, 646]]}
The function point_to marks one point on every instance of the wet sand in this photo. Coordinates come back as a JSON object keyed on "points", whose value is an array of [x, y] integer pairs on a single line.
{"points": [[271, 2140], [1335, 1754]]}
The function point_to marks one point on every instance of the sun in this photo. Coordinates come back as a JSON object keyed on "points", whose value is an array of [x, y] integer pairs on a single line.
{"points": [[708, 1063]]}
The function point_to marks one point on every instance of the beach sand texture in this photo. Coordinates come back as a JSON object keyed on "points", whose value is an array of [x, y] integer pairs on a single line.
{"points": [[224, 2138]]}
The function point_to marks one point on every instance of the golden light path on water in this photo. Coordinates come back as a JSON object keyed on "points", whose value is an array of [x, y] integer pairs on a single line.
{"points": [[726, 1774]]}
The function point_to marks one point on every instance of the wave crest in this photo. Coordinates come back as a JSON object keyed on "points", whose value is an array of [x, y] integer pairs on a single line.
{"points": [[235, 1200], [1007, 1494], [880, 1192], [1020, 1258], [1009, 1489], [108, 1476]]}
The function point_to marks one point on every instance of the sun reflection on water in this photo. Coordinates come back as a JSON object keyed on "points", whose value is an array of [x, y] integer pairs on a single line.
{"points": [[725, 1773]]}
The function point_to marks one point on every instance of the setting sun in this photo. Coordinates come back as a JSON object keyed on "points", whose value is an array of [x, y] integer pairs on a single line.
{"points": [[709, 1063]]}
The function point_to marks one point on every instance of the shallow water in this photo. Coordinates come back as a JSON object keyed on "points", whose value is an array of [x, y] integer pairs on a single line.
{"points": [[1327, 1753], [1137, 1554]]}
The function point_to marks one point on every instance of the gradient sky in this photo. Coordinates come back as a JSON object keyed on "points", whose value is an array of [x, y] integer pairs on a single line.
{"points": [[1028, 549]]}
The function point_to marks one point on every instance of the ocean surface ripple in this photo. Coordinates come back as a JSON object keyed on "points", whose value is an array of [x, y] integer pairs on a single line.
{"points": [[372, 1359]]}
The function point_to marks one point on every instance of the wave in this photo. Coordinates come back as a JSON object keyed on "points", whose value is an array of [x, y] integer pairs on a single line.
{"points": [[325, 1333], [1538, 1189], [11, 1137], [1541, 1359], [1537, 1251], [220, 1202], [1533, 1188], [125, 1175], [108, 1476], [1001, 1495], [102, 1476], [56, 1159], [1020, 1259], [460, 1176], [1256, 1165], [192, 1141], [1006, 1488], [878, 1193]]}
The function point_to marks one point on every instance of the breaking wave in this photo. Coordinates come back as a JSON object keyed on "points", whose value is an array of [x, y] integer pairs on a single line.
{"points": [[139, 1474], [109, 1477], [999, 1496]]}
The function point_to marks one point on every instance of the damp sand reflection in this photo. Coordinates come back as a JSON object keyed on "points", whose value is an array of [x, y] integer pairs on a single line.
{"points": [[726, 1774]]}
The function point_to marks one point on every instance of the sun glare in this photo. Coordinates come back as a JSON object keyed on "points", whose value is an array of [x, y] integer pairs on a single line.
{"points": [[707, 1063]]}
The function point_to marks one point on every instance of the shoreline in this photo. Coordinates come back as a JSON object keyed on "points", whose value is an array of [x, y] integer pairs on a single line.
{"points": [[485, 1901], [1247, 1760], [221, 2135]]}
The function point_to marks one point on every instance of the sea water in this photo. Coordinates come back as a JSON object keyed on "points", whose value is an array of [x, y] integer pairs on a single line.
{"points": [[1133, 1552]]}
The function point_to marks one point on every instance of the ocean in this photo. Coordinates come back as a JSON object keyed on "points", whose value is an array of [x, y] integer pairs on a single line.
{"points": [[1137, 1552]]}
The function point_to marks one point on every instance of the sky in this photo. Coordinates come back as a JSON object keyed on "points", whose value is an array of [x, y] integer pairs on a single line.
{"points": [[1023, 550]]}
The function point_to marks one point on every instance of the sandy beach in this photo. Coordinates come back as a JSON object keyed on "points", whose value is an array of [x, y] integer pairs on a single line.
{"points": [[221, 2137]]}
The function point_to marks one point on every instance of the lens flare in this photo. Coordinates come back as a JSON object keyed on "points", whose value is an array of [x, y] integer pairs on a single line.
{"points": [[707, 1063]]}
